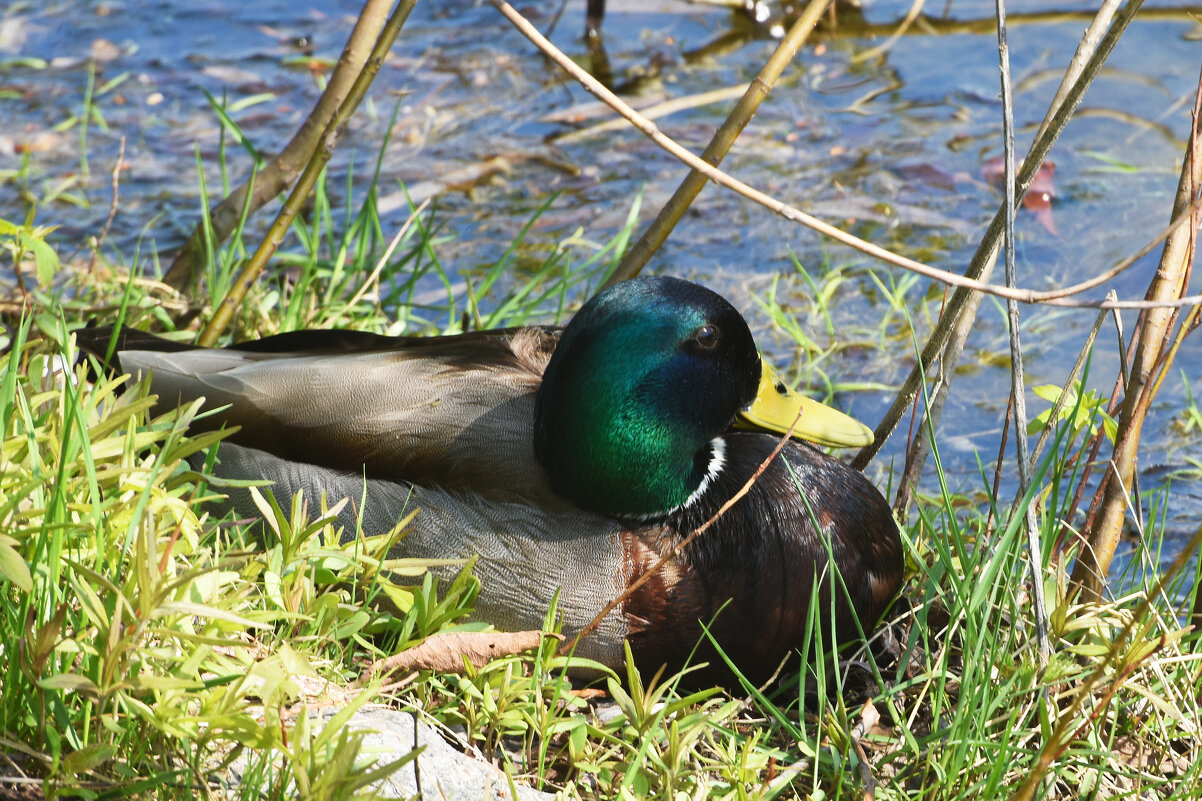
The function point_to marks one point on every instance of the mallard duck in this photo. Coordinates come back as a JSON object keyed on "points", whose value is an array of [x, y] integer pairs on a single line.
{"points": [[569, 460]]}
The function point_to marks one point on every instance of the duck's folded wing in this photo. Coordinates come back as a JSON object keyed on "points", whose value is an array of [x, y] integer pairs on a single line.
{"points": [[455, 411], [526, 556]]}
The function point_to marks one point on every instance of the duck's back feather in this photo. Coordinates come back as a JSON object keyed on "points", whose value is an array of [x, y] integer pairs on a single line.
{"points": [[452, 411]]}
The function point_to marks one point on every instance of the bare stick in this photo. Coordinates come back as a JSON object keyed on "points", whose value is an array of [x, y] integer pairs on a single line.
{"points": [[1056, 297], [274, 178], [1017, 384], [654, 112], [1153, 355], [986, 254], [1085, 48], [887, 45], [382, 262], [108, 223]]}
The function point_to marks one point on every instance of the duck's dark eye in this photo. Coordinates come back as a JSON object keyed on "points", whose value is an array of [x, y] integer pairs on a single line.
{"points": [[707, 336]]}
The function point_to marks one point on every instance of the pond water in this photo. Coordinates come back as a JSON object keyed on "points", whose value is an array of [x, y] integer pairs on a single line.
{"points": [[893, 144]]}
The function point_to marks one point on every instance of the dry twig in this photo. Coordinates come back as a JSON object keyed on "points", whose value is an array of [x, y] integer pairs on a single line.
{"points": [[1018, 392], [672, 212], [108, 222]]}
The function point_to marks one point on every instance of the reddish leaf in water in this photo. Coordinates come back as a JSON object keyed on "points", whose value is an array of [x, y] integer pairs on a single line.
{"points": [[1039, 197], [928, 175]]}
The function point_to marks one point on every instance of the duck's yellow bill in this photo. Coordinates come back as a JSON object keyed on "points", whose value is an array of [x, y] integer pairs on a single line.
{"points": [[776, 407]]}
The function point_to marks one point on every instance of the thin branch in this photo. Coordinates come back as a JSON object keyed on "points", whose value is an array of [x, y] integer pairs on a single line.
{"points": [[1087, 45], [941, 344], [1017, 385], [108, 222], [654, 112], [958, 327], [1152, 357], [894, 38], [1095, 441], [381, 262], [274, 178]]}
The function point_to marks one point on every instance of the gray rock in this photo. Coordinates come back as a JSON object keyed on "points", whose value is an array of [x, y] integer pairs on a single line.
{"points": [[442, 772], [445, 773]]}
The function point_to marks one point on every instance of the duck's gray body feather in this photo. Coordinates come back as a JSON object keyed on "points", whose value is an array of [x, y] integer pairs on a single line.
{"points": [[523, 558], [391, 419]]}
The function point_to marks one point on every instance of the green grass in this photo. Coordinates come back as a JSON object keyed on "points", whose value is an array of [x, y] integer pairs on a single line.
{"points": [[148, 643]]}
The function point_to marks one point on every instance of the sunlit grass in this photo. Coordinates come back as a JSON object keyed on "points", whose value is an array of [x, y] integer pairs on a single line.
{"points": [[144, 639]]}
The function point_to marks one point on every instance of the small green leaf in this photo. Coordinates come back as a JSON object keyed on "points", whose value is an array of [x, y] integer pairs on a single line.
{"points": [[13, 566], [87, 758], [72, 682], [1049, 392], [45, 258]]}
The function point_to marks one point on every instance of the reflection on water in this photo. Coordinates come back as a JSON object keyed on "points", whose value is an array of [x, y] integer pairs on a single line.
{"points": [[891, 138]]}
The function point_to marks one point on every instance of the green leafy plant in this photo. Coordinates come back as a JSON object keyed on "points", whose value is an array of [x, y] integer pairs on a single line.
{"points": [[1082, 411], [23, 241]]}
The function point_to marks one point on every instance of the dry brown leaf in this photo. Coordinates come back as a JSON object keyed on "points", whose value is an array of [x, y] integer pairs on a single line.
{"points": [[446, 653], [869, 718], [1149, 758], [588, 693]]}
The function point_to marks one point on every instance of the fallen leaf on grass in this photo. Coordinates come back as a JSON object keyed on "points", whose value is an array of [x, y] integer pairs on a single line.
{"points": [[869, 718], [446, 653]]}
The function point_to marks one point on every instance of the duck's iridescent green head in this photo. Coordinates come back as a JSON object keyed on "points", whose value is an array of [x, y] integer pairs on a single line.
{"points": [[643, 383]]}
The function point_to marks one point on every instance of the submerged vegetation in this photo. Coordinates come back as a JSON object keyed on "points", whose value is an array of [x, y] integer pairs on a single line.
{"points": [[150, 645]]}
